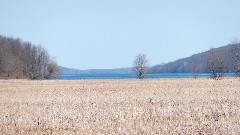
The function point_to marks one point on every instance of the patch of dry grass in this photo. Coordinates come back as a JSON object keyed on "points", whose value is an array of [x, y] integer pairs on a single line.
{"points": [[162, 106]]}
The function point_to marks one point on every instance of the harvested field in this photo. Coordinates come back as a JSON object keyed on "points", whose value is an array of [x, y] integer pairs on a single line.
{"points": [[154, 106]]}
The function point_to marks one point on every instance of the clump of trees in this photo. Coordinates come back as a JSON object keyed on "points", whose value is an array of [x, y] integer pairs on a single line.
{"points": [[141, 65], [215, 64], [219, 62], [20, 59]]}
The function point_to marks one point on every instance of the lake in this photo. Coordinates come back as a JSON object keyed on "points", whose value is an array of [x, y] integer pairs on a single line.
{"points": [[133, 76]]}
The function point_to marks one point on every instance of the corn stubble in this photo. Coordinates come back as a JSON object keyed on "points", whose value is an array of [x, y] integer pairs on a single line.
{"points": [[164, 106]]}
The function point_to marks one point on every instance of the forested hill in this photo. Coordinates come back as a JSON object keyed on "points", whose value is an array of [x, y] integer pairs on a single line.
{"points": [[185, 65]]}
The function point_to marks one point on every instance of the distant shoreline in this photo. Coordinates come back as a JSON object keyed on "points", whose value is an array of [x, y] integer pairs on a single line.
{"points": [[133, 76]]}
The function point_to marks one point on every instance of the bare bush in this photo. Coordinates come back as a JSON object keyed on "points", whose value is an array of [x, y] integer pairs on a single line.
{"points": [[141, 65]]}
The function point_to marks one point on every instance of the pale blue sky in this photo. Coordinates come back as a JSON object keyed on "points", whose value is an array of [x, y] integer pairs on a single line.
{"points": [[87, 34]]}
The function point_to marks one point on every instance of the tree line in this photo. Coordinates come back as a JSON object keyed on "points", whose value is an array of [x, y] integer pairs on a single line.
{"points": [[20, 59]]}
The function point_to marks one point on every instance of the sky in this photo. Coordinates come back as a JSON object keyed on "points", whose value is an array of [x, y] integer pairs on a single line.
{"points": [[103, 34]]}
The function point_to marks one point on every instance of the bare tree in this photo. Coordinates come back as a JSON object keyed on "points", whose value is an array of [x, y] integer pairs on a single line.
{"points": [[1, 55], [235, 41], [33, 71], [215, 64], [236, 55], [141, 65], [42, 61], [194, 66], [237, 60]]}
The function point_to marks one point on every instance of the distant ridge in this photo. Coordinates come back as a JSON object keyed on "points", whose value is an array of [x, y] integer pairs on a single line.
{"points": [[127, 70], [65, 70], [184, 65]]}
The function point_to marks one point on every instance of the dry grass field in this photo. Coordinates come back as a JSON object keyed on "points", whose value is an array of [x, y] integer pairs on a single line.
{"points": [[154, 106]]}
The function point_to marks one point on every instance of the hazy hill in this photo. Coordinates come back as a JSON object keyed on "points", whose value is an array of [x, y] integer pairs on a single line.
{"points": [[65, 70], [185, 65]]}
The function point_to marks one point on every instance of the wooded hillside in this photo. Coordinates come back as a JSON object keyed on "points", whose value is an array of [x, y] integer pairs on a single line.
{"points": [[186, 65]]}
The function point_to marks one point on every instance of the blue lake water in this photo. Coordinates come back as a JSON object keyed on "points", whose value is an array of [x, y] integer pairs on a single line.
{"points": [[132, 76]]}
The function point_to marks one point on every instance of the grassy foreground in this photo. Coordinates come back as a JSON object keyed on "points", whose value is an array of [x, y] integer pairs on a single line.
{"points": [[162, 106]]}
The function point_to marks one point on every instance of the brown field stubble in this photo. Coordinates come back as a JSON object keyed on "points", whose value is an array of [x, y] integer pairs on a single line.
{"points": [[154, 106]]}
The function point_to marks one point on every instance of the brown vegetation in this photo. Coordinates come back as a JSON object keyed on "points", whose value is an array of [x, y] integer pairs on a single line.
{"points": [[163, 106]]}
